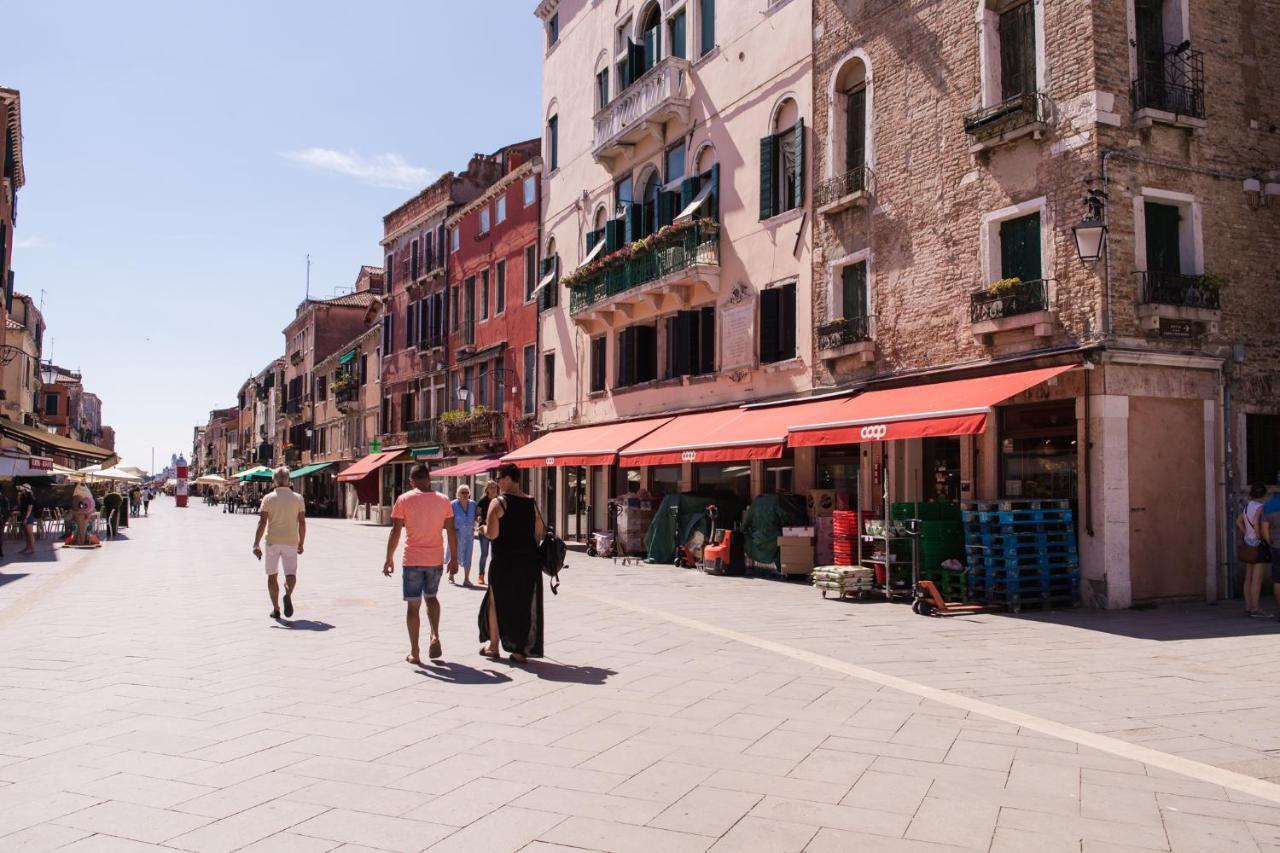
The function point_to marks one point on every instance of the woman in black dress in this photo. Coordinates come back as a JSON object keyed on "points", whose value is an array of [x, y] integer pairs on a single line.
{"points": [[512, 608]]}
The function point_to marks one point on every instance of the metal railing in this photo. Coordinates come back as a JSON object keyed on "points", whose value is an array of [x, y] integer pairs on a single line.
{"points": [[347, 395], [861, 179], [433, 341], [1019, 111], [423, 432], [1021, 298], [477, 428], [293, 406], [1172, 82], [698, 244], [465, 332], [1193, 291], [846, 330]]}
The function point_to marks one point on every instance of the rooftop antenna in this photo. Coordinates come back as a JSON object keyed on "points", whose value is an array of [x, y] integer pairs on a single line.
{"points": [[308, 276]]}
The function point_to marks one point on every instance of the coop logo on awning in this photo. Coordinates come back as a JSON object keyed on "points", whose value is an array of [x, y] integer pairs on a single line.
{"points": [[551, 462], [689, 456], [874, 432]]}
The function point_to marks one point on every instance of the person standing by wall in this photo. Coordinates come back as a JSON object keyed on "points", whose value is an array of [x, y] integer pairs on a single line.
{"points": [[482, 514], [283, 517], [1249, 526], [427, 518]]}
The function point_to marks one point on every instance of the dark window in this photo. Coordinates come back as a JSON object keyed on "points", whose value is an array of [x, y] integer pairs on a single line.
{"points": [[482, 385], [651, 38], [707, 26], [598, 363], [549, 297], [389, 271], [1149, 32], [1262, 449], [1020, 248], [530, 379], [782, 171], [856, 130], [455, 308], [679, 35], [553, 29], [51, 404], [637, 355], [484, 294], [322, 388], [1164, 245], [602, 88], [388, 329], [500, 287], [549, 376], [364, 368], [410, 324], [530, 271], [1017, 51], [553, 143], [778, 324], [691, 343], [853, 291], [413, 261]]}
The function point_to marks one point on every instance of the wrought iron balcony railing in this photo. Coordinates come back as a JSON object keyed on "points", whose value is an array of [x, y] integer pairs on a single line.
{"points": [[347, 395], [630, 268], [1016, 112], [844, 331], [858, 180], [433, 341], [1021, 298], [293, 406], [1192, 291], [423, 432], [1172, 82], [476, 428]]}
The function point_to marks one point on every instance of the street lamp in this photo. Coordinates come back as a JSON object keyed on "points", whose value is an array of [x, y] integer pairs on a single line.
{"points": [[1091, 232]]}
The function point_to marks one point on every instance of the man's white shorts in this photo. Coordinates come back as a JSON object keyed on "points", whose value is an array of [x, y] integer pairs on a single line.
{"points": [[275, 554]]}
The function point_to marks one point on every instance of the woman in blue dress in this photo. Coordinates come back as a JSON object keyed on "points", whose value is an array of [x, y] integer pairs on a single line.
{"points": [[464, 521]]}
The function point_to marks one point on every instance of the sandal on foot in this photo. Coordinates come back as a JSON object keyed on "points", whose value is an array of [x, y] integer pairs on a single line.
{"points": [[485, 652], [434, 651]]}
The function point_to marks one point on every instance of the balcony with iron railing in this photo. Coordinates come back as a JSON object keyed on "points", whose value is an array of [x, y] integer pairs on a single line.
{"points": [[678, 256], [292, 406], [1012, 305], [1179, 297], [1169, 88], [846, 337], [658, 96], [854, 188], [464, 335], [423, 432], [480, 429], [1021, 115], [346, 396]]}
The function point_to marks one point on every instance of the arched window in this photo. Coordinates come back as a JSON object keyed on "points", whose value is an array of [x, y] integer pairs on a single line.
{"points": [[553, 137], [651, 36], [782, 161], [850, 136], [602, 80], [705, 160], [549, 283], [652, 185]]}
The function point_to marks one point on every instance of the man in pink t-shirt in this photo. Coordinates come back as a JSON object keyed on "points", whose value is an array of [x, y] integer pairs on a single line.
{"points": [[424, 516]]}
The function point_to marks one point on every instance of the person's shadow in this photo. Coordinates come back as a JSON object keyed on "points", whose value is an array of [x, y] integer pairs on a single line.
{"points": [[459, 673], [302, 625], [567, 673]]}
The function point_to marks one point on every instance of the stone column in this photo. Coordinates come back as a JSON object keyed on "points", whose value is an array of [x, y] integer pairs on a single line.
{"points": [[1105, 562]]}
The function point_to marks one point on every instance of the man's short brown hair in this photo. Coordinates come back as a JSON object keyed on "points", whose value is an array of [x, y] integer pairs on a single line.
{"points": [[420, 472]]}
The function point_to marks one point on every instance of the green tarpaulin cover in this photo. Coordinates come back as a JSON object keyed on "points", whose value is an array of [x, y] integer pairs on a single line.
{"points": [[764, 521]]}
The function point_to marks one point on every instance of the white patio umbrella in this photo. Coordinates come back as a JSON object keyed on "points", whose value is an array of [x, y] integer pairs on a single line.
{"points": [[210, 480]]}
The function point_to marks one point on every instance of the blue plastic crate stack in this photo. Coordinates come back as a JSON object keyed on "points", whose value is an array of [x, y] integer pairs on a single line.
{"points": [[1022, 553]]}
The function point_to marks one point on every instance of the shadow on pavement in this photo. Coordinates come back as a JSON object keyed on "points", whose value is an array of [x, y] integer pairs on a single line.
{"points": [[549, 671], [1165, 623], [302, 625], [4, 579], [45, 553], [458, 673]]}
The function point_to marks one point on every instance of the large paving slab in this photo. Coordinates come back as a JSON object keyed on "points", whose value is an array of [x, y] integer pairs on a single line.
{"points": [[148, 703]]}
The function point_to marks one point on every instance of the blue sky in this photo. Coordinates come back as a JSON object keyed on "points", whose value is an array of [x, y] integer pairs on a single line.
{"points": [[182, 159]]}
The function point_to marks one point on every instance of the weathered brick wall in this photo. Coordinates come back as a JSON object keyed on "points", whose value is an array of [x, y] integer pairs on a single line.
{"points": [[924, 230]]}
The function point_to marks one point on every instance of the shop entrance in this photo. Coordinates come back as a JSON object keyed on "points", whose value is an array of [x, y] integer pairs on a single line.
{"points": [[575, 502], [838, 471], [940, 469], [1038, 455]]}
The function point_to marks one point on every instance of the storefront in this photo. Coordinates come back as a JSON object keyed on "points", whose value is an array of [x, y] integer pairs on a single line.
{"points": [[367, 495]]}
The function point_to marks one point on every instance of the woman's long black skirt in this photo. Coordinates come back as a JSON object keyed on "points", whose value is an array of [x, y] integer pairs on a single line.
{"points": [[515, 585]]}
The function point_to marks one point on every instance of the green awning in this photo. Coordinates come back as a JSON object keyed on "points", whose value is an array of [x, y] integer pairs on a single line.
{"points": [[308, 470], [348, 358], [425, 452]]}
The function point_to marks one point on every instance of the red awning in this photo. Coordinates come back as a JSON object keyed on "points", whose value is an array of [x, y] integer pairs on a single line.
{"points": [[958, 407], [367, 465], [466, 469], [725, 435], [593, 445]]}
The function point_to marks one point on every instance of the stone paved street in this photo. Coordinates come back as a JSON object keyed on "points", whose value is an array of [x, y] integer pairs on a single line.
{"points": [[148, 703]]}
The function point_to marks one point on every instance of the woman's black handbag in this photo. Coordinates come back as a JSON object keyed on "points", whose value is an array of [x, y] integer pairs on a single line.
{"points": [[551, 553], [1264, 551]]}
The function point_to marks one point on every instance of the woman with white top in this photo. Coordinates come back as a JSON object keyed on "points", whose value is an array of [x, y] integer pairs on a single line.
{"points": [[1249, 526]]}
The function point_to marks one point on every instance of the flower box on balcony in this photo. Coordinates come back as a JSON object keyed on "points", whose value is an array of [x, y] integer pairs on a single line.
{"points": [[1175, 296], [1011, 305], [847, 337], [480, 427]]}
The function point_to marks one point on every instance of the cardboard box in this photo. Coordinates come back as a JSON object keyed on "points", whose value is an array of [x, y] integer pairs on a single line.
{"points": [[797, 531], [822, 502]]}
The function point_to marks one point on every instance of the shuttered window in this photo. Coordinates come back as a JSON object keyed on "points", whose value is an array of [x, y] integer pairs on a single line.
{"points": [[389, 272], [707, 26], [691, 343], [778, 324], [1020, 248], [602, 88], [549, 376], [856, 130], [484, 294], [530, 271], [853, 291], [500, 288], [1018, 51], [598, 363], [637, 355], [679, 35], [549, 297], [530, 379], [782, 171]]}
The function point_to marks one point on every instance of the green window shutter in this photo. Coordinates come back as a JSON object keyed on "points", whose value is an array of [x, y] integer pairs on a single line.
{"points": [[613, 235], [1017, 51], [679, 35], [768, 180], [708, 26], [592, 238], [853, 291], [625, 357], [1020, 248], [787, 321], [667, 208], [684, 342], [634, 222], [713, 201], [769, 321], [798, 189], [1164, 244], [856, 130], [707, 341]]}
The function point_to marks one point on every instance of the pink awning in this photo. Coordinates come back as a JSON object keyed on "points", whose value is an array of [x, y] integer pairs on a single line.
{"points": [[466, 469]]}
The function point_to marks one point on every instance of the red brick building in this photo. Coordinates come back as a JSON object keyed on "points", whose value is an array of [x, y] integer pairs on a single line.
{"points": [[493, 262]]}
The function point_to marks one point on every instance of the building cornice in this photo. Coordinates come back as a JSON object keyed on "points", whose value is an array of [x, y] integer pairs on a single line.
{"points": [[347, 347], [532, 167]]}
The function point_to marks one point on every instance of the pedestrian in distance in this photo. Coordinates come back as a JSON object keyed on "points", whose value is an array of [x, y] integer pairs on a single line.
{"points": [[27, 516], [283, 517], [147, 495], [482, 513], [113, 504], [511, 613], [1250, 550], [427, 520], [1270, 535], [5, 508], [464, 522]]}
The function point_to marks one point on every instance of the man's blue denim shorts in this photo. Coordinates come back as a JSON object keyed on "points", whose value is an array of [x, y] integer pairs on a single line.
{"points": [[420, 581]]}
